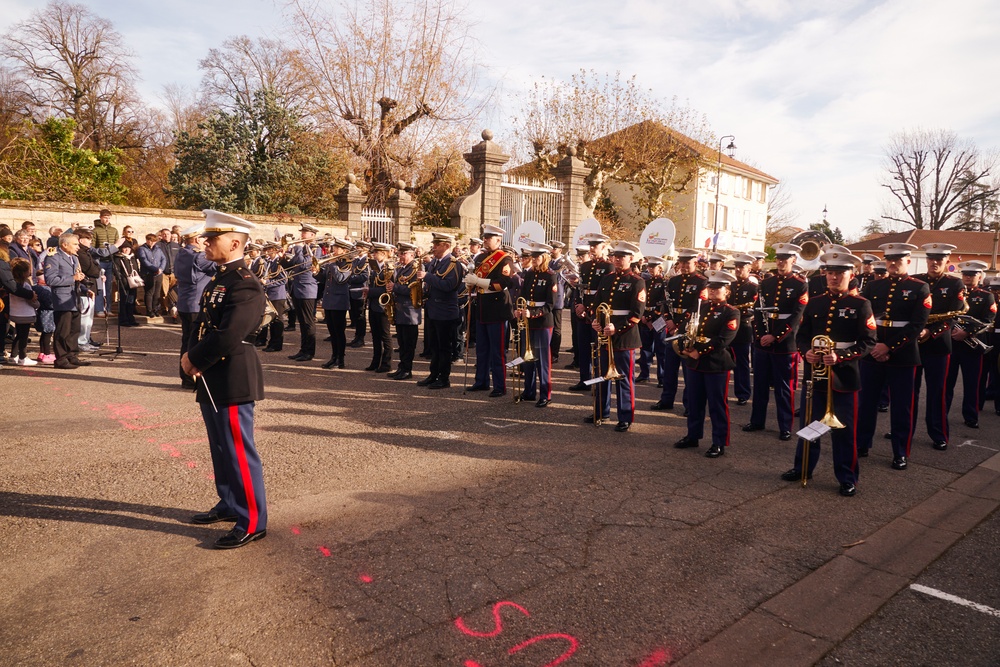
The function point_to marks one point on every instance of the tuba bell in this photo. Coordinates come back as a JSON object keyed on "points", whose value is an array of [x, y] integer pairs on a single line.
{"points": [[810, 241]]}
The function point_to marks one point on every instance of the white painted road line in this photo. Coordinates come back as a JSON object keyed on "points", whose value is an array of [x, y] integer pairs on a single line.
{"points": [[957, 600], [972, 443]]}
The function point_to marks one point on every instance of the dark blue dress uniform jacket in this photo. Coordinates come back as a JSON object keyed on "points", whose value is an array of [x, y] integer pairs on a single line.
{"points": [[684, 292], [845, 319], [719, 324], [406, 313], [626, 294], [947, 295], [231, 310], [540, 291], [789, 294], [899, 300], [443, 279]]}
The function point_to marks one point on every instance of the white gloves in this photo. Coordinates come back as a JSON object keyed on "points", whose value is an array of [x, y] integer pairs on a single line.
{"points": [[472, 279]]}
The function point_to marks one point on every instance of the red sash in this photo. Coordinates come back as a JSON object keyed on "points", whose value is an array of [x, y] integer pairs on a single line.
{"points": [[486, 267]]}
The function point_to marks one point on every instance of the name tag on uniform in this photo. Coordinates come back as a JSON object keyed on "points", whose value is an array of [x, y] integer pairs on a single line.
{"points": [[659, 324]]}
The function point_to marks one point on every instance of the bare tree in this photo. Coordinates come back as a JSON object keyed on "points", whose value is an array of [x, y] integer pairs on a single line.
{"points": [[388, 77], [933, 176], [243, 66], [621, 131], [74, 64]]}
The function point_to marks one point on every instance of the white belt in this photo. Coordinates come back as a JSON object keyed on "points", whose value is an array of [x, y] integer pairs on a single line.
{"points": [[779, 316], [590, 292], [537, 304], [620, 312], [894, 324], [844, 346], [996, 331]]}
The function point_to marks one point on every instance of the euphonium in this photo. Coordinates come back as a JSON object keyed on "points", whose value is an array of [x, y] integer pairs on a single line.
{"points": [[822, 345], [522, 324], [604, 319]]}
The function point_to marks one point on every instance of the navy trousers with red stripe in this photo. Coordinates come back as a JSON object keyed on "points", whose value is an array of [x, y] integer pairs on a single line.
{"points": [[970, 362], [239, 476], [777, 370], [843, 440], [900, 380], [491, 345], [711, 389], [935, 369], [541, 368]]}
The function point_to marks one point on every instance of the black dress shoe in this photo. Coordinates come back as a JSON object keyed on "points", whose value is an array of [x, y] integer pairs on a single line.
{"points": [[847, 489], [95, 343], [439, 384], [237, 538], [371, 367], [525, 396], [406, 375], [883, 408], [750, 428], [887, 436], [66, 365], [358, 342], [292, 328], [641, 379], [272, 349], [793, 475], [328, 339], [457, 359], [590, 419], [714, 452], [497, 393], [742, 401], [940, 445], [660, 405], [80, 362], [212, 516], [863, 453], [899, 463], [542, 402], [297, 356], [579, 386], [425, 355], [383, 369], [426, 381], [972, 424], [572, 367], [685, 443], [477, 387], [331, 363], [621, 427], [785, 436]]}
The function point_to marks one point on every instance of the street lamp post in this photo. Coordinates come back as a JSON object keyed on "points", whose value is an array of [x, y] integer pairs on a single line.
{"points": [[730, 149]]}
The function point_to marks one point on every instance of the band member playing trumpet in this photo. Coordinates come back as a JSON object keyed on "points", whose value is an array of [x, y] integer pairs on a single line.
{"points": [[538, 292], [774, 351], [901, 305], [443, 276], [556, 264], [968, 351], [709, 359], [625, 292], [304, 290], [947, 297], [652, 340], [276, 291], [407, 313], [491, 279], [683, 295], [837, 330], [337, 301]]}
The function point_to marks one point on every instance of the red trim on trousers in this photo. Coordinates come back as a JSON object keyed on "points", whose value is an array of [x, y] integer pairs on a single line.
{"points": [[241, 457]]}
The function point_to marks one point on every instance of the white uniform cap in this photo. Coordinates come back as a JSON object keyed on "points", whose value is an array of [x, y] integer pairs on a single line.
{"points": [[491, 230], [218, 223], [972, 266]]}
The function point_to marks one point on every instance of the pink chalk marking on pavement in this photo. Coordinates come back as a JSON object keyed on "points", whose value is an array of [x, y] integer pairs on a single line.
{"points": [[192, 464], [573, 644], [323, 550], [497, 623], [366, 578], [472, 663], [657, 658], [83, 402], [296, 530]]}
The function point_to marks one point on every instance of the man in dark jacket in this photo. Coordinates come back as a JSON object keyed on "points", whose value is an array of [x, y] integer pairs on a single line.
{"points": [[222, 355]]}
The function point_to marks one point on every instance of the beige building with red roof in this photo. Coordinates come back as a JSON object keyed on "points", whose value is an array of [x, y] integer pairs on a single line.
{"points": [[981, 246]]}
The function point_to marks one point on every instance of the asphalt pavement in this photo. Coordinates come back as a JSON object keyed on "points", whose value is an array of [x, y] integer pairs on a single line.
{"points": [[417, 527]]}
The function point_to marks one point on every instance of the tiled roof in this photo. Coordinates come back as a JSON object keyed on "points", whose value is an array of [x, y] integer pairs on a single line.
{"points": [[969, 243]]}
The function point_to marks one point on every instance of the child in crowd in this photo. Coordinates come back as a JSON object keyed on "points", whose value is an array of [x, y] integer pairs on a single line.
{"points": [[22, 312]]}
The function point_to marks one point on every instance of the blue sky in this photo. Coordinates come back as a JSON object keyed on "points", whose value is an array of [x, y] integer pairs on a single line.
{"points": [[811, 90]]}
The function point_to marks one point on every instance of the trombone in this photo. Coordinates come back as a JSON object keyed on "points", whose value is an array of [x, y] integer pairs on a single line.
{"points": [[603, 320], [522, 324], [823, 345]]}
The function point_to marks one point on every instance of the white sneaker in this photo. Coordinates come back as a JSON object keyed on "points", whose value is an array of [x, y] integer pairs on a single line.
{"points": [[87, 348], [26, 361]]}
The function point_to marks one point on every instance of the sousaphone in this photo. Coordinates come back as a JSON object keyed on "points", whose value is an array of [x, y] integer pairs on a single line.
{"points": [[810, 241]]}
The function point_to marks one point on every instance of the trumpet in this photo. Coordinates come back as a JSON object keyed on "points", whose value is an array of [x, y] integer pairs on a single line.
{"points": [[822, 345]]}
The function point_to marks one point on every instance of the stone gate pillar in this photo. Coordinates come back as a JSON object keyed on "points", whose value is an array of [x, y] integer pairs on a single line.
{"points": [[401, 206], [570, 174], [482, 203], [350, 201]]}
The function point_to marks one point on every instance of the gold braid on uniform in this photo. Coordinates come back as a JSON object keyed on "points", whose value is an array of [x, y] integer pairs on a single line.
{"points": [[451, 267], [407, 279]]}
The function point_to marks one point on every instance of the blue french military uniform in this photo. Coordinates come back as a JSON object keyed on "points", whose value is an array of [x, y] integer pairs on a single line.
{"points": [[625, 292], [222, 349], [539, 290], [900, 304], [408, 316], [848, 321], [443, 280], [358, 281], [336, 303], [192, 272], [304, 290]]}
